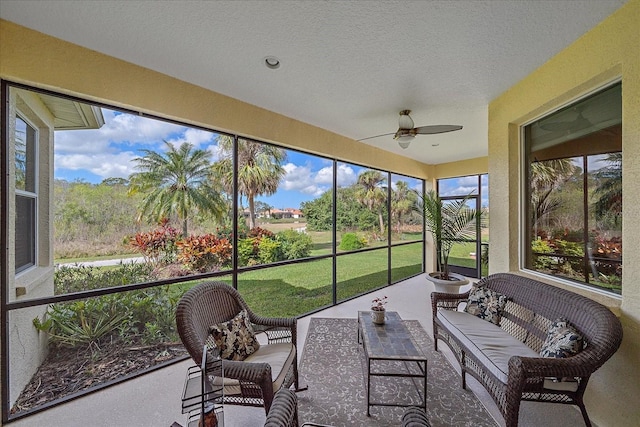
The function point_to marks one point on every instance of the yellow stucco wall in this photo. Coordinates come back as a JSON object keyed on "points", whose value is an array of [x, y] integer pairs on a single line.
{"points": [[475, 166], [607, 53]]}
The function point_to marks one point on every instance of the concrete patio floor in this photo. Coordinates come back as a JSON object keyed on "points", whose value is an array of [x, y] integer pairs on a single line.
{"points": [[154, 400]]}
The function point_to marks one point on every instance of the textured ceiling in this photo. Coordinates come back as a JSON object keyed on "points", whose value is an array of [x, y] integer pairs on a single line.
{"points": [[346, 66]]}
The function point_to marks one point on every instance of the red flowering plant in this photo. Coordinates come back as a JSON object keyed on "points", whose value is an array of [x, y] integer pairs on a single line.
{"points": [[377, 304], [157, 246], [204, 253]]}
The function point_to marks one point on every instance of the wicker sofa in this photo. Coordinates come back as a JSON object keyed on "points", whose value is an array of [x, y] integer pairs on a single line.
{"points": [[505, 359]]}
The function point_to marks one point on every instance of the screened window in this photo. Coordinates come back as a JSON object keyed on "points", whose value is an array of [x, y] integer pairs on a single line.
{"points": [[140, 209], [26, 194], [574, 192], [469, 257]]}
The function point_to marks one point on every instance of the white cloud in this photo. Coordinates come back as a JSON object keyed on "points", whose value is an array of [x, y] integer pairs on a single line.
{"points": [[462, 190], [214, 152], [106, 165], [346, 175], [299, 178], [325, 176], [195, 137], [119, 129], [108, 151], [468, 181]]}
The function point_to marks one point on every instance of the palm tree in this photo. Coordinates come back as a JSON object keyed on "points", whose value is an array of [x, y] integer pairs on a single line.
{"points": [[402, 200], [259, 169], [177, 183], [372, 194], [545, 178], [448, 223], [609, 189]]}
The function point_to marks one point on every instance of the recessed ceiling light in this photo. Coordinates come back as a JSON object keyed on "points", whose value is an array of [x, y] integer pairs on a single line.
{"points": [[272, 62]]}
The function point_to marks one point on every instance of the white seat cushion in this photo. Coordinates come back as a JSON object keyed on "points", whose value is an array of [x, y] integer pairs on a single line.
{"points": [[279, 356], [563, 385], [489, 343]]}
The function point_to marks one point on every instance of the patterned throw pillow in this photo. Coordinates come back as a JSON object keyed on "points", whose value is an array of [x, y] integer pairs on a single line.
{"points": [[562, 340], [486, 303], [235, 339]]}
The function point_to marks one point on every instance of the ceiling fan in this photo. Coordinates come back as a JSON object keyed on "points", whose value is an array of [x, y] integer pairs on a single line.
{"points": [[406, 130]]}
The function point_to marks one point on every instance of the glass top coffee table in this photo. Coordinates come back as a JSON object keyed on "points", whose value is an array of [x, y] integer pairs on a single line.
{"points": [[391, 342]]}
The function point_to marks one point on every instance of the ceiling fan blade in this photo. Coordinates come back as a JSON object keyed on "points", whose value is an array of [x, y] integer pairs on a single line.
{"points": [[433, 129], [377, 136]]}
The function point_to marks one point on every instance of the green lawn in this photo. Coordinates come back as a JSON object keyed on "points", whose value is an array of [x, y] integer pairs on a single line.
{"points": [[296, 289]]}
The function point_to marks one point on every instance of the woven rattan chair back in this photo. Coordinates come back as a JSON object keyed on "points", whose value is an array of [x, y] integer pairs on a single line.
{"points": [[203, 306]]}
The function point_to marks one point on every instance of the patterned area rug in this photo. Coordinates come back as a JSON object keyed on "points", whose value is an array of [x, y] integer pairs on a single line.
{"points": [[332, 366]]}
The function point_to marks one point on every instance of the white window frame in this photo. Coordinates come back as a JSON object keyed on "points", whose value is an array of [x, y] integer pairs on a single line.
{"points": [[30, 195]]}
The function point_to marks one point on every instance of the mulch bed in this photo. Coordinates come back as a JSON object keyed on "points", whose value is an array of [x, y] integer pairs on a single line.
{"points": [[69, 370]]}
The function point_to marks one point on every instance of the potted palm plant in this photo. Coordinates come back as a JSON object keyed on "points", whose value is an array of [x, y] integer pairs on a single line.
{"points": [[448, 223]]}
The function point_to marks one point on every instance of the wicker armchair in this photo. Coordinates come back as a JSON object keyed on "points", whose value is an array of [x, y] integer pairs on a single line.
{"points": [[284, 413], [284, 410], [415, 417], [251, 382]]}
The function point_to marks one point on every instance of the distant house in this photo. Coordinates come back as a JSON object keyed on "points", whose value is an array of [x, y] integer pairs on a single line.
{"points": [[286, 213]]}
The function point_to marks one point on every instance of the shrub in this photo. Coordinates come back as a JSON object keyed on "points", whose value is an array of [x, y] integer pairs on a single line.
{"points": [[157, 246], [541, 262], [78, 278], [81, 323], [608, 249], [249, 247], [575, 250], [259, 233], [294, 244], [351, 241], [204, 253], [269, 250], [247, 252]]}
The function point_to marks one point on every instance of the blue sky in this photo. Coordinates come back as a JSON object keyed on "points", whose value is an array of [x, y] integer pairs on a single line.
{"points": [[465, 185], [108, 152]]}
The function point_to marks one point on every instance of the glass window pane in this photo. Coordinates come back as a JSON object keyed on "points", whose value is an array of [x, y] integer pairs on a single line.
{"points": [[25, 156], [361, 209], [25, 244], [557, 210], [406, 223], [575, 191], [458, 186], [605, 220]]}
